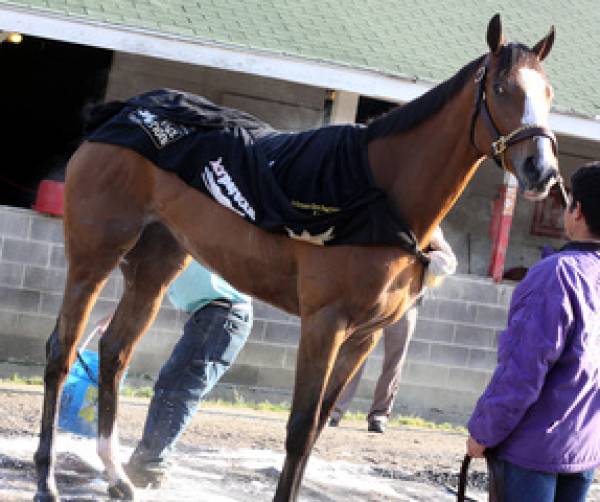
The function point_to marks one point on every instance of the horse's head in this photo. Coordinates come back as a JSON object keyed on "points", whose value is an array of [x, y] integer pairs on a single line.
{"points": [[512, 108]]}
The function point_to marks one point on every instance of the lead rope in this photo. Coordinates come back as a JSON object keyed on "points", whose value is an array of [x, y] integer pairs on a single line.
{"points": [[462, 479]]}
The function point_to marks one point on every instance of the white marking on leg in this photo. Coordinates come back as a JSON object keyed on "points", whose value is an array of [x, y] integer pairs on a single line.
{"points": [[108, 451], [537, 109]]}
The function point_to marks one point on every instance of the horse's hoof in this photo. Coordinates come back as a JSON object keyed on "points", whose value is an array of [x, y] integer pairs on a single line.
{"points": [[123, 490], [46, 497]]}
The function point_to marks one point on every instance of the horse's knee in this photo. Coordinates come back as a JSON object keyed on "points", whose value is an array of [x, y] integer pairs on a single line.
{"points": [[111, 356], [56, 357]]}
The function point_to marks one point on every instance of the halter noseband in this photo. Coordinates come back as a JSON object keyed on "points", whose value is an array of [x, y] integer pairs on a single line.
{"points": [[500, 143]]}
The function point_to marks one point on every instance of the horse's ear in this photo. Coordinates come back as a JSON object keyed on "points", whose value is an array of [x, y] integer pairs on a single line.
{"points": [[495, 38], [542, 48]]}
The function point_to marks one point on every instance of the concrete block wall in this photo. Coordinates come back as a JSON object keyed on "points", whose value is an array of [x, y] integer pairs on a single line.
{"points": [[449, 360]]}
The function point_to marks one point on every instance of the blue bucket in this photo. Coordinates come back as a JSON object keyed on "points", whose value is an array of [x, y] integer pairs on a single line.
{"points": [[79, 402]]}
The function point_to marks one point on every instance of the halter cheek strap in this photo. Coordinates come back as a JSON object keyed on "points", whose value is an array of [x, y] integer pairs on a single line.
{"points": [[500, 143]]}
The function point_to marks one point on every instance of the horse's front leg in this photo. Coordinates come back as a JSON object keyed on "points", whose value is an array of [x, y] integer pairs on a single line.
{"points": [[322, 334], [351, 356]]}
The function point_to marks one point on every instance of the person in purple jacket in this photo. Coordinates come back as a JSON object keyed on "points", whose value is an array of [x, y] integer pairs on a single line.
{"points": [[539, 417]]}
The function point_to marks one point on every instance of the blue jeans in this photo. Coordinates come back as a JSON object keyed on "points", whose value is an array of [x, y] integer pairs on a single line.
{"points": [[212, 339], [526, 485]]}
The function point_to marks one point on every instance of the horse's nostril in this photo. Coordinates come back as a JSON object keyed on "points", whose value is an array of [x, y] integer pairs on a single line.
{"points": [[530, 169]]}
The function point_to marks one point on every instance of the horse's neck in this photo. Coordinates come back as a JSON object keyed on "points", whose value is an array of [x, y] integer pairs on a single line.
{"points": [[425, 169]]}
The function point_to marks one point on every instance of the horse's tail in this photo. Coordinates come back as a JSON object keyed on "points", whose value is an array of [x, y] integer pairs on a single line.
{"points": [[95, 115]]}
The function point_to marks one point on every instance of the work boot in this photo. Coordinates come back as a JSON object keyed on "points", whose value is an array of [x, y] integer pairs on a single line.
{"points": [[144, 476]]}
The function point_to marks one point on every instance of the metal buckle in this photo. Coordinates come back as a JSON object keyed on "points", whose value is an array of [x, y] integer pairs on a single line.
{"points": [[499, 146], [480, 73]]}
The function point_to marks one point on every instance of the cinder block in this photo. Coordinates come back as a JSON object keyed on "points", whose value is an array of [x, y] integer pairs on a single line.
{"points": [[425, 374], [284, 333], [366, 388], [47, 229], [494, 317], [257, 334], [13, 224], [373, 367], [11, 274], [50, 303], [262, 354], [291, 355], [146, 363], [480, 292], [418, 351], [9, 321], [275, 377], [45, 279], [505, 292], [433, 400], [457, 311], [27, 252], [428, 308], [438, 331], [474, 336], [36, 326], [451, 288], [103, 308], [57, 257], [266, 312], [167, 318], [482, 359], [109, 291], [242, 373], [449, 355], [18, 348], [467, 380], [21, 300]]}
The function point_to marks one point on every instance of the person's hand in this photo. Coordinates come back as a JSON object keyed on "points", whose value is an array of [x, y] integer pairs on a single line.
{"points": [[474, 449]]}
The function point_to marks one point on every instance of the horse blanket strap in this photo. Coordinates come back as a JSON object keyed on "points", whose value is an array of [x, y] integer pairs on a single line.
{"points": [[314, 186]]}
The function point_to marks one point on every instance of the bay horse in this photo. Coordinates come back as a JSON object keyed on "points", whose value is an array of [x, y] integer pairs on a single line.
{"points": [[121, 209]]}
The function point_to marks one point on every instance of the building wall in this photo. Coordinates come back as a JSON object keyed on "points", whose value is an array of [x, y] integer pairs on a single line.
{"points": [[467, 224], [285, 105], [449, 360]]}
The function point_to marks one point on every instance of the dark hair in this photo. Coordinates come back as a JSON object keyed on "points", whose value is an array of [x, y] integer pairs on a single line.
{"points": [[413, 113], [585, 185]]}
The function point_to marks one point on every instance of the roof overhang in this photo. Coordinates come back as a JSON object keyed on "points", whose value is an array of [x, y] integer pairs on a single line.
{"points": [[267, 64]]}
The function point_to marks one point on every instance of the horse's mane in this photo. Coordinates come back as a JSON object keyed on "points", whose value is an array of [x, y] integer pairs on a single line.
{"points": [[413, 113]]}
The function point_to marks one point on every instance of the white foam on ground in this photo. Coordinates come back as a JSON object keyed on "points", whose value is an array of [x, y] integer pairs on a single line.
{"points": [[215, 475]]}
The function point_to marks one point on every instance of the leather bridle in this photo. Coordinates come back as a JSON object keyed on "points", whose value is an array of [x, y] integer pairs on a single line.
{"points": [[500, 143]]}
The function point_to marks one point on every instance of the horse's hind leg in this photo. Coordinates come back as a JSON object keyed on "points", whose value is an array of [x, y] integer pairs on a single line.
{"points": [[300, 441], [147, 270], [85, 278]]}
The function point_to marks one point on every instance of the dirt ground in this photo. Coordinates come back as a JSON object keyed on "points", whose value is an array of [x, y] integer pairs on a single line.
{"points": [[248, 444]]}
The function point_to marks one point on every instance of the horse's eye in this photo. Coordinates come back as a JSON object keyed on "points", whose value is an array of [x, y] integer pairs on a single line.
{"points": [[498, 89]]}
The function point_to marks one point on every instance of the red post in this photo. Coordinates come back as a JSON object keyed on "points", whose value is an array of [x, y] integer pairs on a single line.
{"points": [[502, 215]]}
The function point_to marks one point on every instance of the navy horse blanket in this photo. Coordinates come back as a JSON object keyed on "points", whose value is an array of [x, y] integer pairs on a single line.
{"points": [[314, 185]]}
